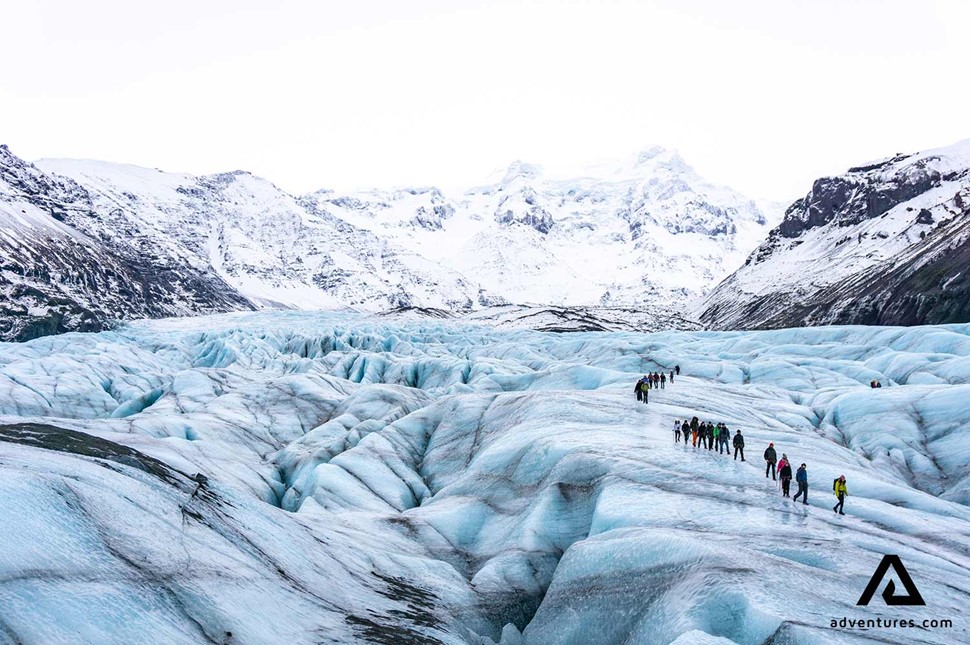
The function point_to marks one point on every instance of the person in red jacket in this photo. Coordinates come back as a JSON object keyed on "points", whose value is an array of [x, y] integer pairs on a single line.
{"points": [[784, 471]]}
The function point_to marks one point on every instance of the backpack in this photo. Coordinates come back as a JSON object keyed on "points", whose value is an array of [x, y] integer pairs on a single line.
{"points": [[835, 484]]}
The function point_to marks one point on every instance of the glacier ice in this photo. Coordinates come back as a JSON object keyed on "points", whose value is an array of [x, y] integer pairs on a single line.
{"points": [[379, 481]]}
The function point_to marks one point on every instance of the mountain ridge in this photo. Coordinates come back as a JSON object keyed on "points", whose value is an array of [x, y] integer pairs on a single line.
{"points": [[885, 243], [235, 241]]}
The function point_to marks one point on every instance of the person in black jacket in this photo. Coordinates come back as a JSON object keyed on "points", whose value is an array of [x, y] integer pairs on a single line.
{"points": [[801, 478], [771, 458], [636, 389], [738, 446], [785, 474]]}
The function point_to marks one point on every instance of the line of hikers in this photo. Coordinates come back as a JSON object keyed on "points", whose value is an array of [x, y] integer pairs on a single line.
{"points": [[653, 380], [712, 435]]}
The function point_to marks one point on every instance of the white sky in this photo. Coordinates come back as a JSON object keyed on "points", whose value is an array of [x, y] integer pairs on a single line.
{"points": [[762, 95]]}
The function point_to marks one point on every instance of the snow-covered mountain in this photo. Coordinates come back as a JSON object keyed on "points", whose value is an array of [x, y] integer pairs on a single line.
{"points": [[327, 478], [886, 243], [648, 233], [68, 263], [272, 248]]}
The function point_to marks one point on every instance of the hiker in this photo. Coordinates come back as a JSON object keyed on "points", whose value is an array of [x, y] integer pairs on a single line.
{"points": [[785, 473], [738, 446], [725, 447], [878, 384], [656, 380], [841, 492], [677, 369], [685, 430], [770, 458], [693, 430], [781, 463], [676, 431], [663, 380], [710, 436], [801, 478], [637, 390], [645, 391], [671, 377], [872, 384]]}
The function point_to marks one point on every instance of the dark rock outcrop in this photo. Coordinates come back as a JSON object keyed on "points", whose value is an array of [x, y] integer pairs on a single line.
{"points": [[885, 244]]}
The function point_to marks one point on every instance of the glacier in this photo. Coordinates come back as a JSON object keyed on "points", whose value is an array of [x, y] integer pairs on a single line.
{"points": [[333, 478]]}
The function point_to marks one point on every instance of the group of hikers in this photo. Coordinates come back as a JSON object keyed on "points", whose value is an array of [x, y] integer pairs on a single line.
{"points": [[874, 384], [711, 436], [653, 380], [717, 435]]}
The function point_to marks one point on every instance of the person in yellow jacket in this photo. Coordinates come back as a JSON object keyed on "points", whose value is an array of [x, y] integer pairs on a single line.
{"points": [[838, 486]]}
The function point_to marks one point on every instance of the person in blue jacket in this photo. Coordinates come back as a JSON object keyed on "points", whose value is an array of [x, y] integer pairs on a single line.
{"points": [[801, 478]]}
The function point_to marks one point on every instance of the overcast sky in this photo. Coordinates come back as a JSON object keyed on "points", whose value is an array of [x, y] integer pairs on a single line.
{"points": [[763, 96]]}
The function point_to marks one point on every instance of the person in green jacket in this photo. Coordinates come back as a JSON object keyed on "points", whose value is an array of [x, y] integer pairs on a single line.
{"points": [[838, 486]]}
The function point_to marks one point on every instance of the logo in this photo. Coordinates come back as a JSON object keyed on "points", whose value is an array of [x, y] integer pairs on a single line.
{"points": [[912, 596]]}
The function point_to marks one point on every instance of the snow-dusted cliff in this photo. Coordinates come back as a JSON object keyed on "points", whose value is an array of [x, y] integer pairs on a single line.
{"points": [[885, 243]]}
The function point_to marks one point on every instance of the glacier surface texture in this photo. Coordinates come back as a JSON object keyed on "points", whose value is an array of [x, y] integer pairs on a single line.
{"points": [[328, 478]]}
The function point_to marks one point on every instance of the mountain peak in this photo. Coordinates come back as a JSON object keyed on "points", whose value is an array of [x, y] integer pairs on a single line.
{"points": [[649, 154], [523, 169]]}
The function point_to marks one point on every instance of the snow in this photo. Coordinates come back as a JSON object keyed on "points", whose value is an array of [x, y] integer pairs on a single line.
{"points": [[375, 479], [646, 232]]}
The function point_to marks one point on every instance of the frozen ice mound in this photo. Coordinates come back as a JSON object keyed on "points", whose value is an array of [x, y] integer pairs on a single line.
{"points": [[450, 483]]}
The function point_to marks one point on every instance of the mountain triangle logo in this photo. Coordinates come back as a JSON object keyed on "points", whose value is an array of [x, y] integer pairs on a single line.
{"points": [[912, 596]]}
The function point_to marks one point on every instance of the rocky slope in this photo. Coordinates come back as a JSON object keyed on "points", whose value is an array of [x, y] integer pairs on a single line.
{"points": [[64, 268], [887, 243]]}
